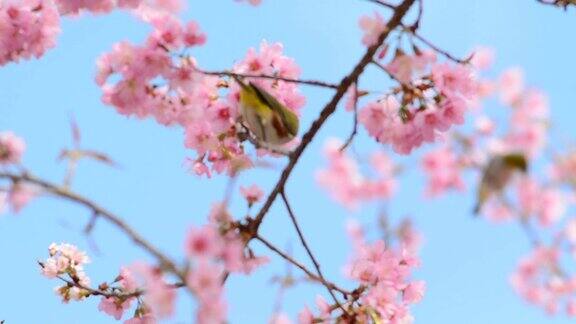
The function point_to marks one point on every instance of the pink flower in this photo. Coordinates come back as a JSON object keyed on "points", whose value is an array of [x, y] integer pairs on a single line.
{"points": [[305, 316], [414, 292], [145, 319], [453, 79], [206, 280], [29, 28], [73, 7], [114, 307], [511, 85], [11, 148], [443, 169], [252, 194], [159, 296], [482, 57], [203, 242], [20, 195], [372, 28]]}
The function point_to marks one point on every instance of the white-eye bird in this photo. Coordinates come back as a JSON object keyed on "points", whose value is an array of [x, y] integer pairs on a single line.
{"points": [[496, 176], [267, 119]]}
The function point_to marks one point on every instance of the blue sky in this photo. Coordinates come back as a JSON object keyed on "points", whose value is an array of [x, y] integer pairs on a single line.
{"points": [[466, 262]]}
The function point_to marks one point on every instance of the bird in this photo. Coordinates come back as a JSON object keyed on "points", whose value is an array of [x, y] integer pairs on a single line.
{"points": [[497, 174], [271, 122]]}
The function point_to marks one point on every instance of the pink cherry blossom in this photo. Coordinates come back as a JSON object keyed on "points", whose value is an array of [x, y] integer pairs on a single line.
{"points": [[203, 242], [443, 169], [252, 194], [20, 194], [114, 307], [145, 319], [343, 180], [29, 28], [12, 148], [158, 294], [372, 28]]}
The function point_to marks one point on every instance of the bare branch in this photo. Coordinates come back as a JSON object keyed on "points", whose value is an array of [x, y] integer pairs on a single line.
{"points": [[65, 193], [309, 273], [355, 127], [314, 83], [307, 247]]}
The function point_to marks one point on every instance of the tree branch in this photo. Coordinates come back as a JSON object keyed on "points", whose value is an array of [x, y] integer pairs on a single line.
{"points": [[309, 273], [315, 83], [328, 110], [307, 248], [65, 193]]}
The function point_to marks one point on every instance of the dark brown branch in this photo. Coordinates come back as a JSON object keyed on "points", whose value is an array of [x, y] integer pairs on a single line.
{"points": [[558, 3], [307, 247], [329, 109]]}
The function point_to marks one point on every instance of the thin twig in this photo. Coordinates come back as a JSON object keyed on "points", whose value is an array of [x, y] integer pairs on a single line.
{"points": [[355, 127], [65, 193], [307, 247], [436, 48], [392, 76], [314, 83], [290, 259]]}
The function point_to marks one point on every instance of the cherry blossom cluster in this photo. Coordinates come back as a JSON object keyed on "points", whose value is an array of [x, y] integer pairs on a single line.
{"points": [[345, 182], [214, 250], [66, 260], [432, 97], [74, 7], [541, 281], [157, 81], [27, 29], [384, 271], [145, 284]]}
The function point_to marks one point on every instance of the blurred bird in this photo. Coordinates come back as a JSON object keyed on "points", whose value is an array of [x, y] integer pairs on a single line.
{"points": [[496, 176], [271, 122]]}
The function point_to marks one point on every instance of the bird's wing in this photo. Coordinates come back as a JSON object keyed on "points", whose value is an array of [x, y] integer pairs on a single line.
{"points": [[289, 118]]}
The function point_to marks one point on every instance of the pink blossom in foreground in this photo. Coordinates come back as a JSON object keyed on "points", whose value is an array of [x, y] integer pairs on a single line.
{"points": [[547, 204], [252, 194], [114, 307], [540, 281], [385, 272], [443, 170], [67, 260], [158, 294], [12, 148], [437, 96], [372, 28], [20, 195], [189, 98], [144, 319], [346, 184], [28, 28], [143, 8]]}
